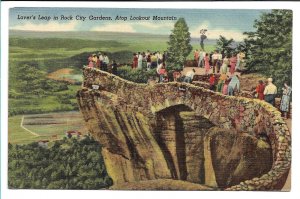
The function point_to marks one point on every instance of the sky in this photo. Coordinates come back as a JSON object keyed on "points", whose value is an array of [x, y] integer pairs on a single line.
{"points": [[229, 23]]}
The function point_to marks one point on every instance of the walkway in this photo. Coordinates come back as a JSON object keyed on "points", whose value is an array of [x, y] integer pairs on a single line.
{"points": [[21, 125]]}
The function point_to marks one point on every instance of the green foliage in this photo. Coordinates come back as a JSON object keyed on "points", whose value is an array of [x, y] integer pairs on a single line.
{"points": [[269, 48], [136, 75], [68, 164], [225, 45], [179, 46]]}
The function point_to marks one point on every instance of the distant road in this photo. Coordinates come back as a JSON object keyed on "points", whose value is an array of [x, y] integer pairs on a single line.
{"points": [[21, 125]]}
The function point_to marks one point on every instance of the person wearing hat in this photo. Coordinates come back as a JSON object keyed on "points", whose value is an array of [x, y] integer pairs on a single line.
{"points": [[270, 92]]}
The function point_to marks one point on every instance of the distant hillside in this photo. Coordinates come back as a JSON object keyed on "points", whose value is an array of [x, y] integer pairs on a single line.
{"points": [[99, 36]]}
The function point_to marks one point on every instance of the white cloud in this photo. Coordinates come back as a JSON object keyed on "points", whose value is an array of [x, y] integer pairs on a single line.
{"points": [[51, 26], [215, 33], [150, 25], [131, 26], [120, 27]]}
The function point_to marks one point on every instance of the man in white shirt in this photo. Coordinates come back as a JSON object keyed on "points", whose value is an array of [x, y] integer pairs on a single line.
{"points": [[215, 58], [189, 76], [105, 62], [270, 92]]}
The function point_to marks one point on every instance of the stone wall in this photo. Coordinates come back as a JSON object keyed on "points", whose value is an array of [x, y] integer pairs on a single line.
{"points": [[119, 105]]}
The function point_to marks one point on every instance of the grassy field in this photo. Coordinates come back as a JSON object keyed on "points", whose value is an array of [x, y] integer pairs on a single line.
{"points": [[45, 125]]}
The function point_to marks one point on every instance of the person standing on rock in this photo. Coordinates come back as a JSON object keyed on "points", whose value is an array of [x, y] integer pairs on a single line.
{"points": [[215, 58], [206, 61], [134, 61], [105, 62], [234, 85], [285, 99], [140, 60], [224, 67], [114, 68], [212, 82], [270, 92], [233, 61], [260, 90], [196, 56]]}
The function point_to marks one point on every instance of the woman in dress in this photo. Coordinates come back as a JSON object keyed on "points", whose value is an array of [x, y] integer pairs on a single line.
{"points": [[206, 61], [260, 90], [134, 61], [224, 67], [233, 61], [285, 99]]}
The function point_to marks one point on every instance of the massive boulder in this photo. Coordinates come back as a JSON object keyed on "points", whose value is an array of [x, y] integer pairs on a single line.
{"points": [[153, 132]]}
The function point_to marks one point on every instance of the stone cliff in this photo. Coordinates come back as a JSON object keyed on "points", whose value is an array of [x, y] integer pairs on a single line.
{"points": [[156, 132]]}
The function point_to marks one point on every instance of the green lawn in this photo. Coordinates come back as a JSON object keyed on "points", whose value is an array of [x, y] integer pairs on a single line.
{"points": [[18, 135], [45, 125]]}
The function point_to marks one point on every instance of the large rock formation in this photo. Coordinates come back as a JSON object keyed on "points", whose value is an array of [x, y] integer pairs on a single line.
{"points": [[151, 132]]}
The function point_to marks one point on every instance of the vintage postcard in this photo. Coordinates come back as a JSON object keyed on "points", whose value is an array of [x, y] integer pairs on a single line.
{"points": [[149, 99]]}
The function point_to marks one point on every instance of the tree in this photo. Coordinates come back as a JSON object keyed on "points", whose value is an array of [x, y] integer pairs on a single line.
{"points": [[270, 46], [29, 78], [225, 45], [179, 46]]}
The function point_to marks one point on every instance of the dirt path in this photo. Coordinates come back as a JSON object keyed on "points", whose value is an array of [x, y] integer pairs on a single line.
{"points": [[21, 125], [58, 75]]}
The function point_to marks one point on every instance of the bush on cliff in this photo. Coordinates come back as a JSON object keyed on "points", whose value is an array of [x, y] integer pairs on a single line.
{"points": [[136, 75], [68, 164]]}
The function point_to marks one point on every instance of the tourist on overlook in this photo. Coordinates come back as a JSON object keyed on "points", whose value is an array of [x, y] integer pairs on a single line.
{"points": [[240, 57], [95, 60], [153, 60], [101, 59], [148, 59], [90, 61], [224, 67], [234, 85], [189, 76], [270, 92], [134, 61], [161, 69], [225, 88], [215, 58], [90, 58], [212, 82], [219, 62], [260, 90], [201, 59], [114, 68], [196, 56], [140, 60], [285, 99], [105, 62], [222, 79], [176, 75], [232, 61], [206, 61], [98, 62]]}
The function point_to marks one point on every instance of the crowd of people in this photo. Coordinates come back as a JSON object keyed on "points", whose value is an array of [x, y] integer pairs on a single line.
{"points": [[227, 83], [219, 62], [268, 91], [101, 61], [150, 59]]}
